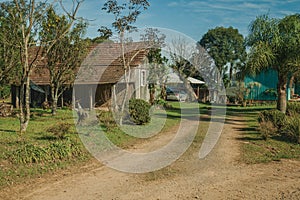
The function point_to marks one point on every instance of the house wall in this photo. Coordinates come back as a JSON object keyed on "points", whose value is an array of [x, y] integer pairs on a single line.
{"points": [[267, 80]]}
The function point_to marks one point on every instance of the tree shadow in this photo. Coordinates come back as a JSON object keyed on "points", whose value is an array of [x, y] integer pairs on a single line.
{"points": [[7, 130]]}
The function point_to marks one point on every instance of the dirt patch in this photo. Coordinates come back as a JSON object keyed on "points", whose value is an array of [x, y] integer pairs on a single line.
{"points": [[220, 175]]}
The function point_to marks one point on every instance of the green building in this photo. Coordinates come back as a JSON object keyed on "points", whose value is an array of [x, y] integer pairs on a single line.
{"points": [[263, 86]]}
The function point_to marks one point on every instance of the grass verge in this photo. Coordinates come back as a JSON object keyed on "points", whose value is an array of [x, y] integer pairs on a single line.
{"points": [[254, 148]]}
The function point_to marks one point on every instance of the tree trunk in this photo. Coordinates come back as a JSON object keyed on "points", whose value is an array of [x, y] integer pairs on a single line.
{"points": [[163, 93], [17, 102], [152, 93], [291, 83], [54, 94], [127, 79], [281, 90], [24, 105]]}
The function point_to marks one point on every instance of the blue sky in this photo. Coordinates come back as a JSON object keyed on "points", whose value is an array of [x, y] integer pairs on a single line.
{"points": [[194, 18]]}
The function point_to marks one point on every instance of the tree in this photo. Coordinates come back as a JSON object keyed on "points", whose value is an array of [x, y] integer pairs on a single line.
{"points": [[125, 15], [154, 40], [226, 47], [8, 53], [275, 45], [25, 19], [65, 56], [186, 62]]}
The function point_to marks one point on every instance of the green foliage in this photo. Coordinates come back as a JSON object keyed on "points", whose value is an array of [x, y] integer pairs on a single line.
{"points": [[274, 122], [163, 103], [106, 119], [225, 46], [270, 123], [54, 152], [291, 130], [271, 92], [139, 111], [275, 45], [66, 54], [266, 129], [60, 130], [293, 108], [4, 91], [125, 14], [276, 117]]}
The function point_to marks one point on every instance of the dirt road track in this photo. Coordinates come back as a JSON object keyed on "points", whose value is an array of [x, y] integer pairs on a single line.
{"points": [[219, 176]]}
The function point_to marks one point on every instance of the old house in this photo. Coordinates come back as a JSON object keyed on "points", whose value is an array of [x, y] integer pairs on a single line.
{"points": [[100, 76]]}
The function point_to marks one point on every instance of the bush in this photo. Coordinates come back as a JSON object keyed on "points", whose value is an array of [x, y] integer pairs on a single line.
{"points": [[163, 103], [293, 108], [275, 116], [29, 153], [139, 111], [54, 152], [266, 129], [60, 130], [106, 118], [292, 129]]}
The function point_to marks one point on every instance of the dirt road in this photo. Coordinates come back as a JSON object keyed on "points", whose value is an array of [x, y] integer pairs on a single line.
{"points": [[219, 176]]}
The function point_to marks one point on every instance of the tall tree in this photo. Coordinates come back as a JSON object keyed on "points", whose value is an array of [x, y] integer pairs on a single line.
{"points": [[158, 70], [8, 53], [125, 15], [275, 45], [226, 47], [65, 56], [25, 18]]}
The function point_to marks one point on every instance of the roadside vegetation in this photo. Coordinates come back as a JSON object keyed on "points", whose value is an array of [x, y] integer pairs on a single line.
{"points": [[52, 142], [267, 135]]}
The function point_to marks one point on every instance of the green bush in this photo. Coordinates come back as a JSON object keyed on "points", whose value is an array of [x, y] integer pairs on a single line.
{"points": [[266, 129], [163, 103], [275, 116], [293, 108], [54, 152], [4, 91], [292, 129], [29, 153], [60, 130], [106, 118], [139, 111]]}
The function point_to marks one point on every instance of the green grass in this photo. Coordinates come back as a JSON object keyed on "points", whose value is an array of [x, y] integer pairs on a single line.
{"points": [[39, 140], [13, 170], [254, 148]]}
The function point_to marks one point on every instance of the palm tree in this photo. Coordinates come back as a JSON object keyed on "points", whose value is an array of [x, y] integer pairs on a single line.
{"points": [[274, 44]]}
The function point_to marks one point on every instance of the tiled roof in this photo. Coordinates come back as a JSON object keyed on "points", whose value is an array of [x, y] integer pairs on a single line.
{"points": [[103, 64]]}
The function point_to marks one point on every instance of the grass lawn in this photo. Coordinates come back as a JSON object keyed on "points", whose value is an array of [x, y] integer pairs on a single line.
{"points": [[254, 148], [45, 148], [39, 150]]}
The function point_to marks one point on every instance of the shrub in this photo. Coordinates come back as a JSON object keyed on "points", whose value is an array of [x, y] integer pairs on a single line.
{"points": [[139, 111], [106, 118], [163, 103], [60, 130], [266, 129], [54, 152], [275, 116], [29, 153], [293, 108], [292, 129]]}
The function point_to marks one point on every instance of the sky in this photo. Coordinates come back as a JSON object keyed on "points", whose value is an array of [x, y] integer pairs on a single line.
{"points": [[191, 17]]}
